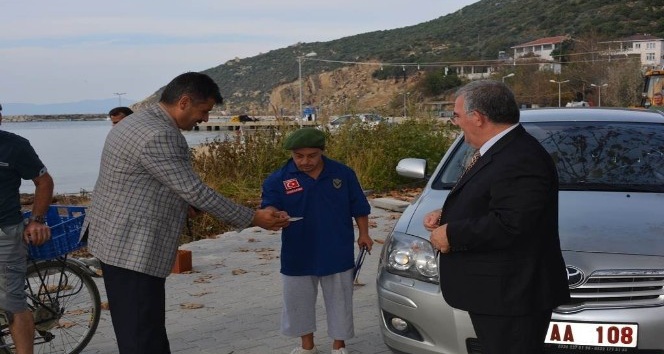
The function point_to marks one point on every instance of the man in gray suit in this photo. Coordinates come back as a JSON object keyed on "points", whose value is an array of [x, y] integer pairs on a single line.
{"points": [[145, 187]]}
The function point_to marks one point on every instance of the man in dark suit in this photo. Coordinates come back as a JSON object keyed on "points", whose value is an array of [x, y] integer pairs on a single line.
{"points": [[497, 232]]}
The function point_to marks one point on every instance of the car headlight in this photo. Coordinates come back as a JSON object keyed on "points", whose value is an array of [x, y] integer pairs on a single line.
{"points": [[411, 257]]}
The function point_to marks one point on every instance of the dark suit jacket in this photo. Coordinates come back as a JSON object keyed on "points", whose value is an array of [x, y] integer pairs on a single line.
{"points": [[502, 227]]}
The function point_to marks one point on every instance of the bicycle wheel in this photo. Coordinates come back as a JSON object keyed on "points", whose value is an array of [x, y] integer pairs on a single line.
{"points": [[66, 305], [5, 348]]}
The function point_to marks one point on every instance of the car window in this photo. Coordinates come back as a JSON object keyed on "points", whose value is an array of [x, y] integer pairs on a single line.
{"points": [[451, 172], [590, 155]]}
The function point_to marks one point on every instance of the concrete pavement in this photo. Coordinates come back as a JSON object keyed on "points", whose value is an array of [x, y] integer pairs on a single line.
{"points": [[231, 301]]}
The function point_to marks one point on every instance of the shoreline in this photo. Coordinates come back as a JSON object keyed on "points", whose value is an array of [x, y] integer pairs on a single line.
{"points": [[61, 199], [24, 118]]}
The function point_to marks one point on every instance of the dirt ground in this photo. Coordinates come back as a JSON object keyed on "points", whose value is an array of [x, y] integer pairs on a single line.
{"points": [[406, 194]]}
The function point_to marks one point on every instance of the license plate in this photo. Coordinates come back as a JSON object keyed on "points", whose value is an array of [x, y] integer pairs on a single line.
{"points": [[593, 334]]}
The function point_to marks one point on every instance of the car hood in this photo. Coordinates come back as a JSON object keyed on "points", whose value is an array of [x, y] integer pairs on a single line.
{"points": [[603, 222]]}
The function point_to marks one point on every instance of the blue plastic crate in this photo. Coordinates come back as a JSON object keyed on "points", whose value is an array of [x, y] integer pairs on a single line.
{"points": [[65, 222]]}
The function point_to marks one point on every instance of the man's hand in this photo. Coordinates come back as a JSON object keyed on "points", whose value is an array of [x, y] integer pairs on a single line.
{"points": [[365, 241], [36, 233], [432, 219], [270, 219], [439, 239]]}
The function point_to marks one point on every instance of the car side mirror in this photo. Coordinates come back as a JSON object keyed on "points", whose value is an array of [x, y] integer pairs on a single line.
{"points": [[412, 168]]}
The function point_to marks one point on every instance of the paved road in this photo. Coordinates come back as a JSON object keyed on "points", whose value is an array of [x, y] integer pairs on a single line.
{"points": [[231, 301]]}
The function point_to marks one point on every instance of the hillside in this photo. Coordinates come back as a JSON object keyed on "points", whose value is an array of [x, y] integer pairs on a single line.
{"points": [[268, 83]]}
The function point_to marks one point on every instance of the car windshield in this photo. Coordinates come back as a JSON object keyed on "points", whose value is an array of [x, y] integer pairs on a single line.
{"points": [[608, 156]]}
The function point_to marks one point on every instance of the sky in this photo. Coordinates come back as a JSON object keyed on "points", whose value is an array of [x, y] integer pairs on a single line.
{"points": [[73, 50]]}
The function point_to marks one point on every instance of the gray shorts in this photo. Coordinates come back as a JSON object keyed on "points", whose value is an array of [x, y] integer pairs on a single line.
{"points": [[299, 313], [13, 266]]}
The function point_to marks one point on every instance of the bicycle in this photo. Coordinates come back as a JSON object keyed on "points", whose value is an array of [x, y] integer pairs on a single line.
{"points": [[61, 292]]}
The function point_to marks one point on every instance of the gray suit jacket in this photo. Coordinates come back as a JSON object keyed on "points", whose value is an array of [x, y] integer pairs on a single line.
{"points": [[140, 200]]}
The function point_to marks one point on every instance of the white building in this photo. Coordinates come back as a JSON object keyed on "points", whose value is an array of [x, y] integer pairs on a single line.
{"points": [[649, 49], [541, 48]]}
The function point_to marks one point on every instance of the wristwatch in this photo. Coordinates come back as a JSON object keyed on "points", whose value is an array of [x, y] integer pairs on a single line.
{"points": [[37, 218]]}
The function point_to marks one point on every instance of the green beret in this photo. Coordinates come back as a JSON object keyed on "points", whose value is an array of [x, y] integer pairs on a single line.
{"points": [[305, 138]]}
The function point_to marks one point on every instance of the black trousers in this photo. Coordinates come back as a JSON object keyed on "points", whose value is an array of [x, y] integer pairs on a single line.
{"points": [[511, 334], [138, 310]]}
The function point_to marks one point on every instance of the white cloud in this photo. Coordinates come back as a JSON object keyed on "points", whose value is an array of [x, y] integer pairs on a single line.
{"points": [[70, 50]]}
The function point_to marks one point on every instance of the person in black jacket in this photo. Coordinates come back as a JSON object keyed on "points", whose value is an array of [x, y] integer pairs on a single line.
{"points": [[497, 231]]}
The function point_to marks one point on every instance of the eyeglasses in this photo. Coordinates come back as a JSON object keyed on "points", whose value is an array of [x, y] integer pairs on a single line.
{"points": [[455, 116]]}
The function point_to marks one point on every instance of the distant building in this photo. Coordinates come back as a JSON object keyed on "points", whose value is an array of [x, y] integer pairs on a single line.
{"points": [[541, 48], [648, 48], [474, 70]]}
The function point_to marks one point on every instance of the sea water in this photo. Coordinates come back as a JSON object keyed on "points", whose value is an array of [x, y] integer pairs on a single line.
{"points": [[71, 150]]}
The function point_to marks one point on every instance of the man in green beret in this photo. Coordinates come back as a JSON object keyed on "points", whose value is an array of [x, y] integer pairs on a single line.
{"points": [[322, 197], [305, 138]]}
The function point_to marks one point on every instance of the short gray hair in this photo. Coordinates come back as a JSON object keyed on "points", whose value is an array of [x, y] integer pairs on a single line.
{"points": [[491, 98]]}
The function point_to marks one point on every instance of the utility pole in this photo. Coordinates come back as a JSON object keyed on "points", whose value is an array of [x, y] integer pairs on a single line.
{"points": [[119, 97], [299, 78], [599, 93], [506, 76], [559, 84], [405, 104]]}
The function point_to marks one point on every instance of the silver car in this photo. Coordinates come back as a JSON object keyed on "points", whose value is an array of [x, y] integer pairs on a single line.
{"points": [[611, 170]]}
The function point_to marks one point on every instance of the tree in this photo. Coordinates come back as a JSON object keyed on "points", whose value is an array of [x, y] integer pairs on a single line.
{"points": [[625, 82], [588, 63], [436, 83]]}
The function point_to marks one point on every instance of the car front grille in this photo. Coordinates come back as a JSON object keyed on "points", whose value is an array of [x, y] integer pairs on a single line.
{"points": [[617, 289]]}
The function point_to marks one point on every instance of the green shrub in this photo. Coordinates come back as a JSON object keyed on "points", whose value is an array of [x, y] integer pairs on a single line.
{"points": [[373, 152]]}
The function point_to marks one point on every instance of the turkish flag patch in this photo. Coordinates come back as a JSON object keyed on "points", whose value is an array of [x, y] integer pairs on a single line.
{"points": [[292, 185]]}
